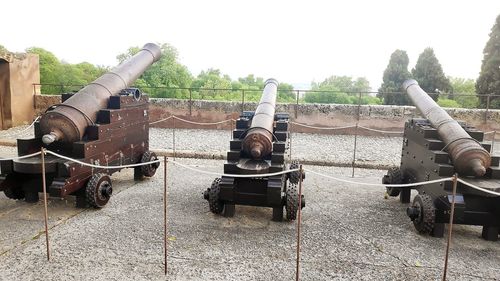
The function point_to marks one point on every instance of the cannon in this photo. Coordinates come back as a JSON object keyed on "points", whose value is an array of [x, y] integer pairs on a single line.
{"points": [[259, 146], [439, 147], [106, 123]]}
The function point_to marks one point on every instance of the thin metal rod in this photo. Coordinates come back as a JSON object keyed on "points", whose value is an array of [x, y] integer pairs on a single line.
{"points": [[299, 220], [173, 136], [356, 134], [355, 148], [165, 211], [450, 226], [46, 219]]}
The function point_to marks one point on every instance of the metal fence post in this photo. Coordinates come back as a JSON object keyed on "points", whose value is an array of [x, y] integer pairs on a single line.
{"points": [[190, 101], [487, 108], [297, 104], [242, 101], [356, 134]]}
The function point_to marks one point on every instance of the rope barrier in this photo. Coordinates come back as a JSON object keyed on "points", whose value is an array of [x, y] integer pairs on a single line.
{"points": [[253, 175], [479, 188], [99, 166], [24, 130], [232, 175], [322, 128], [380, 184], [380, 131], [161, 120], [21, 157], [206, 123]]}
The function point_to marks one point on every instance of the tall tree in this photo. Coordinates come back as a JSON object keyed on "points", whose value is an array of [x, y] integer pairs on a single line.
{"points": [[394, 76], [464, 92], [489, 78], [429, 74]]}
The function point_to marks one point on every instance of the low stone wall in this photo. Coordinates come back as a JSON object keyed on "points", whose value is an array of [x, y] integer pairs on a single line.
{"points": [[382, 117]]}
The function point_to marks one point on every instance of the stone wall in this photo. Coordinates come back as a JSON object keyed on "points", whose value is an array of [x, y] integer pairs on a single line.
{"points": [[382, 117]]}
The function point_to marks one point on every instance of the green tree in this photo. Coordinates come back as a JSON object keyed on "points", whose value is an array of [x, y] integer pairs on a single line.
{"points": [[429, 74], [286, 93], [50, 68], [464, 92], [444, 102], [394, 76], [342, 90], [3, 49], [488, 82]]}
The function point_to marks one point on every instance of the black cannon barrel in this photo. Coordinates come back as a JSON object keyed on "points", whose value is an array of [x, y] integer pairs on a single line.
{"points": [[67, 122], [259, 139], [469, 157]]}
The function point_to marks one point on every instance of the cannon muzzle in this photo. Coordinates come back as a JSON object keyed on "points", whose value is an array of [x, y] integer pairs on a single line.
{"points": [[468, 156], [67, 122], [258, 142]]}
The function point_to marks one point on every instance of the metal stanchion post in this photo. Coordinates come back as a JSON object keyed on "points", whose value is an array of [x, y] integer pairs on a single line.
{"points": [[450, 226], [299, 220], [355, 147], [173, 136], [165, 211], [46, 217]]}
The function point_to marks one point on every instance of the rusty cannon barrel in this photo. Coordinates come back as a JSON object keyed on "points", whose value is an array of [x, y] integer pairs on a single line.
{"points": [[258, 141], [468, 156], [67, 122]]}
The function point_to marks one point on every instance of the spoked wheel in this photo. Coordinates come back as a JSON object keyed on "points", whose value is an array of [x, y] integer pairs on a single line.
{"points": [[98, 190], [212, 195], [150, 169], [294, 177], [394, 176], [422, 213]]}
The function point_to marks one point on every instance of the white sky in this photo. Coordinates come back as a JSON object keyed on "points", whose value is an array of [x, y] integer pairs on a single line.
{"points": [[294, 41]]}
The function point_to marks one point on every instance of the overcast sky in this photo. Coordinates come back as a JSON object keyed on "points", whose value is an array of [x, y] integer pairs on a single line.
{"points": [[294, 41]]}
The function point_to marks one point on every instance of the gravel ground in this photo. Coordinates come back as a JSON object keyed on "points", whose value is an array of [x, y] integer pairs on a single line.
{"points": [[348, 233]]}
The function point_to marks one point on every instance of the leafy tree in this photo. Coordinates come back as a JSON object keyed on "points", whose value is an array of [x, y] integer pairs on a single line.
{"points": [[50, 67], [489, 78], [464, 92], [3, 49], [444, 102], [343, 84], [429, 74], [286, 93], [341, 90], [394, 76]]}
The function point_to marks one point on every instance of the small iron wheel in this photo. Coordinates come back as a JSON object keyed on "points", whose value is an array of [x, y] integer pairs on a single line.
{"points": [[98, 190], [394, 176], [292, 201], [150, 169], [294, 177], [423, 213], [215, 204]]}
